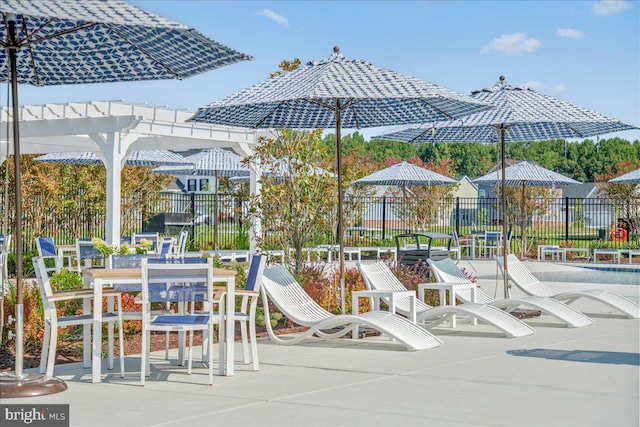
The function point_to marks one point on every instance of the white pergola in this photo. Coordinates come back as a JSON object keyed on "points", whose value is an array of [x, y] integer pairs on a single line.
{"points": [[113, 130]]}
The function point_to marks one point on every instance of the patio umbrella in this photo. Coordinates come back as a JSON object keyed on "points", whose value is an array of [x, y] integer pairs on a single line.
{"points": [[520, 114], [280, 172], [216, 162], [525, 174], [405, 174], [628, 178], [70, 42], [150, 158], [338, 92]]}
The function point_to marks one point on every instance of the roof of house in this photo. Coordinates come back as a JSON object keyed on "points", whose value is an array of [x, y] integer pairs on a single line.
{"points": [[581, 191]]}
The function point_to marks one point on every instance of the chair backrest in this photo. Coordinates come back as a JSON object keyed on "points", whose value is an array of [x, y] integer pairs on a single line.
{"points": [[166, 245], [446, 271], [152, 237], [523, 278], [286, 294], [176, 281], [44, 285], [86, 250], [128, 261], [182, 243], [378, 276], [256, 270], [46, 246], [492, 236]]}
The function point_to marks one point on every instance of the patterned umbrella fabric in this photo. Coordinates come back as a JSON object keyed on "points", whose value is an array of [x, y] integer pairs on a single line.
{"points": [[628, 178], [368, 96], [98, 41], [151, 158], [214, 161], [528, 115], [520, 114], [339, 92], [527, 174], [405, 174]]}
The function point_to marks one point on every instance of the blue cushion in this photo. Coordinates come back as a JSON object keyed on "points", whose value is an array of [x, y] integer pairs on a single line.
{"points": [[174, 319]]}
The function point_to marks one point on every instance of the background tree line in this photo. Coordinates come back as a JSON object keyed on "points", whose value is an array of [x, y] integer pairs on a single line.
{"points": [[581, 160]]}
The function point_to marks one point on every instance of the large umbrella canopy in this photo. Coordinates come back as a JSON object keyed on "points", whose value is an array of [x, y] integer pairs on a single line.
{"points": [[280, 170], [405, 174], [526, 174], [628, 178], [67, 42], [150, 158], [338, 92], [521, 114]]}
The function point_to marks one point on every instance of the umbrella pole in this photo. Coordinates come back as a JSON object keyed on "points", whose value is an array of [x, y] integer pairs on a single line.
{"points": [[503, 208], [340, 231], [215, 213], [523, 237], [20, 385]]}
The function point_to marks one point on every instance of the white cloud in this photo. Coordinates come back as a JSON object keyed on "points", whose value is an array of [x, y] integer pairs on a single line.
{"points": [[559, 88], [570, 33], [609, 7], [512, 44], [535, 85], [274, 17]]}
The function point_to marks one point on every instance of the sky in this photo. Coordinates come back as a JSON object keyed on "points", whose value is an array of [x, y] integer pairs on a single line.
{"points": [[584, 52]]}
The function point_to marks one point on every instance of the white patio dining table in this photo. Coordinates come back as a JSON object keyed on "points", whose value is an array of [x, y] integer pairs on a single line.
{"points": [[97, 278]]}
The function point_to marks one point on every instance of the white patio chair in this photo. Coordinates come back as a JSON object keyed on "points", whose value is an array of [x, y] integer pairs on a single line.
{"points": [[528, 283], [47, 250], [166, 246], [86, 253], [181, 247], [448, 272], [379, 277], [248, 305], [180, 282], [154, 238], [52, 321], [286, 294]]}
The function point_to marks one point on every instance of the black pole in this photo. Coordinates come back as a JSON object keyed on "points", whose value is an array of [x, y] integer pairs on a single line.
{"points": [[384, 216], [215, 213], [18, 193], [340, 225], [458, 216], [566, 219]]}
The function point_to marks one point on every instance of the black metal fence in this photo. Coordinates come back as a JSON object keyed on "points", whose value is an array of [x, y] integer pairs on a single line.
{"points": [[221, 221]]}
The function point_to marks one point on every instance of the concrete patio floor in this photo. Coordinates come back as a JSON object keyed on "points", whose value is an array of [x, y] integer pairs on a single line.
{"points": [[558, 376]]}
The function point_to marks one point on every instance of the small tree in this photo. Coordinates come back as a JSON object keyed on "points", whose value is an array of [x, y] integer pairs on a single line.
{"points": [[297, 208], [625, 196]]}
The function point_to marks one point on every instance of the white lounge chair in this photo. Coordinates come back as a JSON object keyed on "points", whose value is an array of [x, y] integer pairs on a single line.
{"points": [[448, 272], [378, 276], [528, 283], [283, 290]]}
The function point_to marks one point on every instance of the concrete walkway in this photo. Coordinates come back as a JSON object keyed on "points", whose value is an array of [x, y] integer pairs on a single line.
{"points": [[558, 376]]}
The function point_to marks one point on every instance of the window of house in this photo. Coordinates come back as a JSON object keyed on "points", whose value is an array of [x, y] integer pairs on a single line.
{"points": [[204, 184], [482, 193], [191, 185]]}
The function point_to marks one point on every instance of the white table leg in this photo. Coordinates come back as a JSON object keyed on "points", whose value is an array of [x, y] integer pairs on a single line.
{"points": [[230, 326], [452, 302], [96, 360]]}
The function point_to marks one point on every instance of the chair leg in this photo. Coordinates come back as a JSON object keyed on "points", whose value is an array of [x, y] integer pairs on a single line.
{"points": [[53, 341], [254, 344], [121, 337], [110, 327], [210, 352], [143, 356], [245, 343], [45, 346]]}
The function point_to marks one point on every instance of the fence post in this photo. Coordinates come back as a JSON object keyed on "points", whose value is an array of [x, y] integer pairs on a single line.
{"points": [[384, 216], [566, 219], [192, 206], [458, 216]]}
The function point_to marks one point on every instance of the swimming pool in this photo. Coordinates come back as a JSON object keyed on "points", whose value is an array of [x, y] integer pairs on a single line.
{"points": [[590, 276]]}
